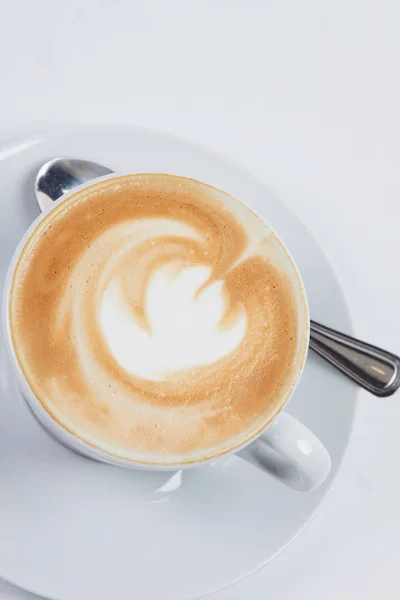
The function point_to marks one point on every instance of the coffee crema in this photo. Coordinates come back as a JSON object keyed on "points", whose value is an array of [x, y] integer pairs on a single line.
{"points": [[154, 317]]}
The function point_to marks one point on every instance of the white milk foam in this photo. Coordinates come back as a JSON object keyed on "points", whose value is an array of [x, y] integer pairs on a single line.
{"points": [[185, 329]]}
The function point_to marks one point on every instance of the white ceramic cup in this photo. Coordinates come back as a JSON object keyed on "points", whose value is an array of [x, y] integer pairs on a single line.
{"points": [[285, 448]]}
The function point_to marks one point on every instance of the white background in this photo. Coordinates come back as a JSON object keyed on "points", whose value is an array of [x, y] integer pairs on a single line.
{"points": [[306, 95]]}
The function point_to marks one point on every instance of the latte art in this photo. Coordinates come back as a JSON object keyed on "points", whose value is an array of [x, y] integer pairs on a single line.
{"points": [[183, 330], [153, 318]]}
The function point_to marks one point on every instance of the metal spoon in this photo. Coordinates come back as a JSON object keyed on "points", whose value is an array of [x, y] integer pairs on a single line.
{"points": [[374, 369], [61, 175]]}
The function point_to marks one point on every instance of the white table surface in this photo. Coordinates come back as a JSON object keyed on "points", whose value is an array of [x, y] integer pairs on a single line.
{"points": [[306, 95]]}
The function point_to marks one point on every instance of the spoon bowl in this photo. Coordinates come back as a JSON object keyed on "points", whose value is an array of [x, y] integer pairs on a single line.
{"points": [[61, 175]]}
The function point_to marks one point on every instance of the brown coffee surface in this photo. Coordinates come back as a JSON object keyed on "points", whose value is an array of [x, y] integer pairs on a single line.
{"points": [[123, 231]]}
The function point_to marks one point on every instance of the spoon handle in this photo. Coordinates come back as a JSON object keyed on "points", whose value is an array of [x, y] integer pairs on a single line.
{"points": [[376, 370]]}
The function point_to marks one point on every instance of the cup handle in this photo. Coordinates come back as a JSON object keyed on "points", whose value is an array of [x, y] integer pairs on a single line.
{"points": [[290, 452]]}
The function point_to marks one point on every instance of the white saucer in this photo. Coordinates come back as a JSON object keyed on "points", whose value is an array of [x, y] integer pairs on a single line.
{"points": [[73, 529]]}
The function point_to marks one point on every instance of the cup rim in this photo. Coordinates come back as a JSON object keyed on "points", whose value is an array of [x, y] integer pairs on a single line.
{"points": [[72, 440]]}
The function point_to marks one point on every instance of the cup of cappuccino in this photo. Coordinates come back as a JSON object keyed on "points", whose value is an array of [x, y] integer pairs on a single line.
{"points": [[156, 322]]}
